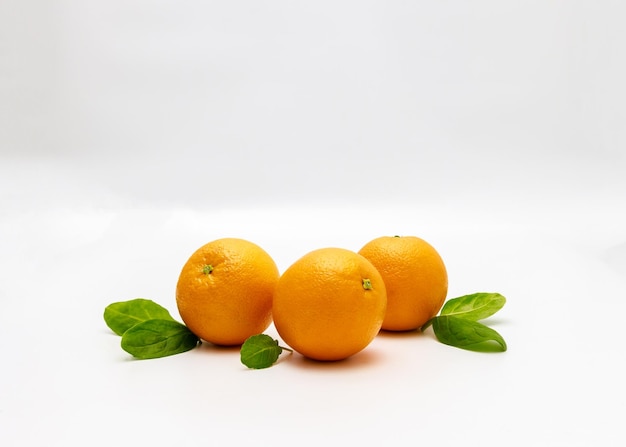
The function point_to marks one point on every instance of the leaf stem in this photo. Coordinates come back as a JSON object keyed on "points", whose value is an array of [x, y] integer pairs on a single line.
{"points": [[286, 349]]}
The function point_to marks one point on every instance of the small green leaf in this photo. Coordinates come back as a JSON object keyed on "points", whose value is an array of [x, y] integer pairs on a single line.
{"points": [[467, 334], [474, 307], [156, 338], [123, 315], [260, 351]]}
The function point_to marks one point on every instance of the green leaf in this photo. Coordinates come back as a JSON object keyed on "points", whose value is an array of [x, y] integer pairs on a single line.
{"points": [[260, 351], [467, 334], [474, 307], [123, 315], [156, 338]]}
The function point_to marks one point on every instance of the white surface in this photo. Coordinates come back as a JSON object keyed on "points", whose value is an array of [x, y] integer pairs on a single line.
{"points": [[133, 132]]}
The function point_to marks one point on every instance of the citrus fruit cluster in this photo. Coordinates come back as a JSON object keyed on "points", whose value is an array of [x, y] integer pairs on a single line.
{"points": [[328, 305]]}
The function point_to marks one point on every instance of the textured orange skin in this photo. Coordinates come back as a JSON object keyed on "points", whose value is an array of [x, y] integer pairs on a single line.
{"points": [[321, 308], [415, 277], [234, 301]]}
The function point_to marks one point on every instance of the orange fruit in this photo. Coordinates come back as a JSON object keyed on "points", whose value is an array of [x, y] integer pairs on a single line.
{"points": [[224, 291], [329, 304], [415, 277]]}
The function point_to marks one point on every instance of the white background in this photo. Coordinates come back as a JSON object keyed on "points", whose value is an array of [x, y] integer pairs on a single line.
{"points": [[132, 132]]}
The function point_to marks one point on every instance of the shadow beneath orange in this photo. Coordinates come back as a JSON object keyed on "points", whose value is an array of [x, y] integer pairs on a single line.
{"points": [[214, 349], [399, 334], [415, 335], [363, 359]]}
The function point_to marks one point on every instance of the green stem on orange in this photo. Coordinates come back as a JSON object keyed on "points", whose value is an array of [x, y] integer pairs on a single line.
{"points": [[367, 284], [207, 269]]}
